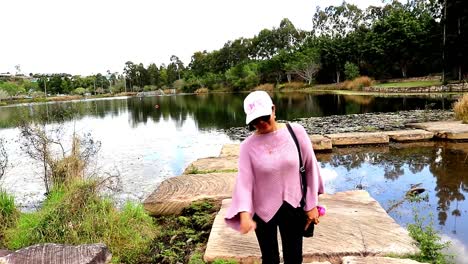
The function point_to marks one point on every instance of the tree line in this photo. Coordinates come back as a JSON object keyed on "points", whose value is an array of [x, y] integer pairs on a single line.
{"points": [[397, 40]]}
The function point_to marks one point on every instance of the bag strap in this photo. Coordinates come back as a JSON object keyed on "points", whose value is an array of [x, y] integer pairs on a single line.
{"points": [[301, 166]]}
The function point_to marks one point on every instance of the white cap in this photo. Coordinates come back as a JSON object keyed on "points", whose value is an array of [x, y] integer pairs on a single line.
{"points": [[257, 104]]}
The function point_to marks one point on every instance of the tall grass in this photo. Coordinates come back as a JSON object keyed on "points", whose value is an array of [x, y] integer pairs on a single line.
{"points": [[75, 214], [461, 109], [8, 213], [357, 84]]}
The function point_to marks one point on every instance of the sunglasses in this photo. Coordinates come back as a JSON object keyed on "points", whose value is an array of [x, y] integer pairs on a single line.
{"points": [[258, 119]]}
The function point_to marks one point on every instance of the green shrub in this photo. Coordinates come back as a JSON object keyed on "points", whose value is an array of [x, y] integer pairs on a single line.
{"points": [[80, 91], [78, 215], [351, 70], [8, 213], [461, 109]]}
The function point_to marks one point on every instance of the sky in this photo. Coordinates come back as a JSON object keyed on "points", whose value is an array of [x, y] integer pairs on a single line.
{"points": [[92, 36]]}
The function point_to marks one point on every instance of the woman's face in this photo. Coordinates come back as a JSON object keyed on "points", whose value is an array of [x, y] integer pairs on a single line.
{"points": [[265, 124]]}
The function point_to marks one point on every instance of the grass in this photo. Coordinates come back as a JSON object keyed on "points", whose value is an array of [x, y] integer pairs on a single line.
{"points": [[182, 239], [409, 84], [461, 109], [8, 214], [76, 214]]}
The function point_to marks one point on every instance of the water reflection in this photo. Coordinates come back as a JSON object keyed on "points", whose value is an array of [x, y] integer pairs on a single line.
{"points": [[218, 110], [388, 172]]}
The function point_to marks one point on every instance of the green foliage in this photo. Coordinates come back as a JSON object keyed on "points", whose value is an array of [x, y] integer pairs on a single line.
{"points": [[76, 214], [8, 214], [12, 89], [181, 236], [351, 70], [80, 91], [222, 261], [243, 76], [428, 241]]}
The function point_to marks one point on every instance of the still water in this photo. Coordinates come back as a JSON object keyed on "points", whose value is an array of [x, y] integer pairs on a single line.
{"points": [[146, 140], [388, 172]]}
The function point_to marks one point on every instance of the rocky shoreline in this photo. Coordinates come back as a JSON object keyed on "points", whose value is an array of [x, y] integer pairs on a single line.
{"points": [[369, 122]]}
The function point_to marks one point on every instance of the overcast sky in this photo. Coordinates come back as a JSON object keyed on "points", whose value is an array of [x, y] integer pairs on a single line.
{"points": [[92, 36]]}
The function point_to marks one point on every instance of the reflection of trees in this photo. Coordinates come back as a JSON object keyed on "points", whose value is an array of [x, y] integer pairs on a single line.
{"points": [[447, 161], [219, 110], [451, 177]]}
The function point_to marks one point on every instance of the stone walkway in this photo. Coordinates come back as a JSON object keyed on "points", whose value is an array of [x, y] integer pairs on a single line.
{"points": [[355, 225]]}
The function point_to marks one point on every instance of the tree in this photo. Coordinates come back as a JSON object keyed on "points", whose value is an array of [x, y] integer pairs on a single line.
{"points": [[455, 40], [305, 64], [130, 74], [351, 70], [154, 75], [336, 21], [3, 158]]}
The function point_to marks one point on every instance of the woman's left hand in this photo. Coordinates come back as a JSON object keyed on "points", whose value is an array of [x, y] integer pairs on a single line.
{"points": [[312, 217]]}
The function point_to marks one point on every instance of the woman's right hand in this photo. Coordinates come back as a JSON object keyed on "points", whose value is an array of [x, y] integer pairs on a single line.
{"points": [[247, 224]]}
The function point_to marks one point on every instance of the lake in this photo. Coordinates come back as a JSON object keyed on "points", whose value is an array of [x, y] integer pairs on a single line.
{"points": [[146, 140]]}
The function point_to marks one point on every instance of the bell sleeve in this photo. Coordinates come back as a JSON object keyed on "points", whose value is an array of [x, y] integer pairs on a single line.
{"points": [[242, 200]]}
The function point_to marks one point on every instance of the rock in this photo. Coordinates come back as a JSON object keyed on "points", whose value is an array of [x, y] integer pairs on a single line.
{"points": [[355, 224], [415, 191], [4, 252], [454, 130], [207, 165], [360, 138], [230, 150], [409, 135], [380, 260], [320, 143], [55, 253], [176, 193]]}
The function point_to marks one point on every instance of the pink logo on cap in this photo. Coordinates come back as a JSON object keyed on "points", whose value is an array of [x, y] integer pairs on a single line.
{"points": [[253, 105]]}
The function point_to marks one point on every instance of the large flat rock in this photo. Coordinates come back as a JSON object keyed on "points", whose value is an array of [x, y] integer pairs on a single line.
{"points": [[409, 135], [355, 224], [358, 138], [454, 130], [379, 260], [207, 165], [320, 143], [230, 150], [55, 253], [174, 194]]}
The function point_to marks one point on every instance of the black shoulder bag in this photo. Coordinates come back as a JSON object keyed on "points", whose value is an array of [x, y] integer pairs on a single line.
{"points": [[310, 230]]}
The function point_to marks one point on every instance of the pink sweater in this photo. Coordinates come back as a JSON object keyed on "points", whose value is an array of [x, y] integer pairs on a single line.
{"points": [[269, 174]]}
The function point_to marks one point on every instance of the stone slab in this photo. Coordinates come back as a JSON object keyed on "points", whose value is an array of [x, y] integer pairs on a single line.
{"points": [[355, 224], [380, 260], [230, 150], [358, 138], [454, 130], [409, 135], [207, 165], [56, 253], [174, 194], [4, 252], [320, 143]]}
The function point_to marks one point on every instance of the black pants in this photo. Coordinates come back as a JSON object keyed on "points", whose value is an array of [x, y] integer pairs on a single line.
{"points": [[290, 222]]}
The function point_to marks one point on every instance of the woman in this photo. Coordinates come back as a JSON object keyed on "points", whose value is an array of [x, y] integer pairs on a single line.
{"points": [[268, 193]]}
